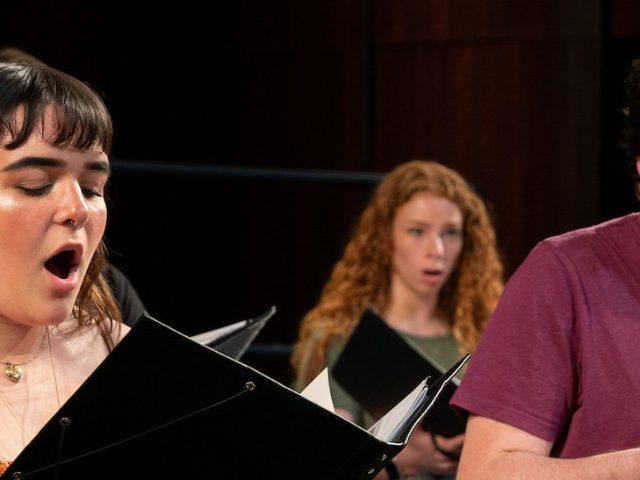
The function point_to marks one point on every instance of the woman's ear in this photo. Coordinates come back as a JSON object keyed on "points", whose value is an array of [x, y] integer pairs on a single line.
{"points": [[638, 164]]}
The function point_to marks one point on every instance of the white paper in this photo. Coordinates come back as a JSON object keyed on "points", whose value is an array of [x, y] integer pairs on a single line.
{"points": [[386, 428], [207, 337], [318, 391]]}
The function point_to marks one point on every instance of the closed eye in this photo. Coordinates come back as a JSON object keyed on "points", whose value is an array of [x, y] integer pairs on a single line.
{"points": [[93, 183], [37, 191], [92, 192]]}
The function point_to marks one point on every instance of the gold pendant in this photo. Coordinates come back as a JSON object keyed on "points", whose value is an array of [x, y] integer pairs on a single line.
{"points": [[13, 372]]}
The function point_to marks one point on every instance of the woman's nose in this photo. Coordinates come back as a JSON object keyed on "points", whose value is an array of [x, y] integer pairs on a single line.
{"points": [[435, 246], [73, 210]]}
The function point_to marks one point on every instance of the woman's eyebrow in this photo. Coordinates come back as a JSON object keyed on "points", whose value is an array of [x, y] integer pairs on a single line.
{"points": [[27, 162], [99, 166]]}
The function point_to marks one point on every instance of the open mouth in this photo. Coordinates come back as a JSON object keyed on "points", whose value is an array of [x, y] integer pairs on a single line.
{"points": [[61, 264], [432, 272]]}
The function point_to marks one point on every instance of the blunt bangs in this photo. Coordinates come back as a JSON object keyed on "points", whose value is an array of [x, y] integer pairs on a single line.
{"points": [[26, 91]]}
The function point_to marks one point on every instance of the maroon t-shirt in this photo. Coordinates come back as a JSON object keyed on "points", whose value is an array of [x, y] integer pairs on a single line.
{"points": [[558, 357]]}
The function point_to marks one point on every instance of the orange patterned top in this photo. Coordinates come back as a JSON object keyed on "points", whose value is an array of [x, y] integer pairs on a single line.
{"points": [[3, 466]]}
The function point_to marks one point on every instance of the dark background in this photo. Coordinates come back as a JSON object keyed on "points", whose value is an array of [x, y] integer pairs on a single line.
{"points": [[249, 134]]}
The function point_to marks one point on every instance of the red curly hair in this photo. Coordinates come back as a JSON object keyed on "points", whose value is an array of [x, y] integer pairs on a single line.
{"points": [[362, 276]]}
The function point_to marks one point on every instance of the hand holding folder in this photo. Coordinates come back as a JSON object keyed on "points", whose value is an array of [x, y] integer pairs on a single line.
{"points": [[162, 405]]}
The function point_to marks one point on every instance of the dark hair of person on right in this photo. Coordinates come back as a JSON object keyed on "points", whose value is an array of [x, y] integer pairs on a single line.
{"points": [[630, 135]]}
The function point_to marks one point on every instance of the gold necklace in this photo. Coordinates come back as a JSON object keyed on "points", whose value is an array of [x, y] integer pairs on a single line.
{"points": [[13, 371], [55, 383]]}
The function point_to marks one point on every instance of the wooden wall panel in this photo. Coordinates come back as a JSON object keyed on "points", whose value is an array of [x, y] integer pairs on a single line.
{"points": [[500, 95], [624, 18], [229, 248], [419, 21], [264, 84]]}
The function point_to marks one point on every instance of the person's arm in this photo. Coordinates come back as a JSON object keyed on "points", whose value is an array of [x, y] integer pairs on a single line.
{"points": [[497, 451]]}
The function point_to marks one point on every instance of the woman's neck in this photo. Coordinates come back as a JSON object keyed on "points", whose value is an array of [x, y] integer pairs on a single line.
{"points": [[415, 315], [19, 342]]}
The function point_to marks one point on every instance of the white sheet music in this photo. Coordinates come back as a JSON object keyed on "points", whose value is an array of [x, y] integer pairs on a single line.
{"points": [[211, 335], [318, 391]]}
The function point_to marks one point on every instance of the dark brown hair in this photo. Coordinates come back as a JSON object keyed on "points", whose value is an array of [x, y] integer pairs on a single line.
{"points": [[630, 135]]}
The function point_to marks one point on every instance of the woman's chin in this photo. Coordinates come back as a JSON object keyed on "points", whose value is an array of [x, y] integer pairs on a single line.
{"points": [[53, 315]]}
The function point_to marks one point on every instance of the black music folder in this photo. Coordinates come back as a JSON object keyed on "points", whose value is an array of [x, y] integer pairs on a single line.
{"points": [[163, 406], [378, 367], [234, 339]]}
